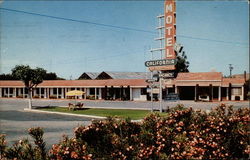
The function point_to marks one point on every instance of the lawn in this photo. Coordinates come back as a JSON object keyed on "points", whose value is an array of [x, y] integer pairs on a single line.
{"points": [[122, 113]]}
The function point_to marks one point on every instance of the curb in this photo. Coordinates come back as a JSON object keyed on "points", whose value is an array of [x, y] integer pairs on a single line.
{"points": [[71, 114], [67, 114], [146, 109]]}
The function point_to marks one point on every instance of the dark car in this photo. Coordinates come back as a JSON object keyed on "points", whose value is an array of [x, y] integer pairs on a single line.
{"points": [[172, 97]]}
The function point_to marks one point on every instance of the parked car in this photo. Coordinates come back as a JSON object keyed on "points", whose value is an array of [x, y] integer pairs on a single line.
{"points": [[172, 97]]}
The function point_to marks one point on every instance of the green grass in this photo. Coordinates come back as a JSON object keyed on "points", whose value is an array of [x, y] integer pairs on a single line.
{"points": [[122, 113]]}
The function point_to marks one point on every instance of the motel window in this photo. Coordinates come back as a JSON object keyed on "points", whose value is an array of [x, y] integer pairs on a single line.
{"points": [[37, 90], [143, 91], [11, 91], [54, 91], [59, 90], [92, 91], [42, 90], [236, 91], [26, 90]]}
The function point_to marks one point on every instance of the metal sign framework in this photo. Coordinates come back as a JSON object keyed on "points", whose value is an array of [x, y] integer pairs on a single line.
{"points": [[169, 26]]}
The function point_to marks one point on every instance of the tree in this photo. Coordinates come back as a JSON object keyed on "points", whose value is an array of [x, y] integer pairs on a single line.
{"points": [[182, 63], [7, 77], [52, 76], [30, 77]]}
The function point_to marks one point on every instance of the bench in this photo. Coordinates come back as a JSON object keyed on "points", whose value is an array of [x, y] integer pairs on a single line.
{"points": [[75, 106]]}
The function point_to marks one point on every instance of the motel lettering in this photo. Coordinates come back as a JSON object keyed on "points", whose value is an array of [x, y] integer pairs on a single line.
{"points": [[169, 29]]}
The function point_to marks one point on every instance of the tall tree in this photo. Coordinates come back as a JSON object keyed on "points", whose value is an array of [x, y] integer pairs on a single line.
{"points": [[52, 76], [30, 77], [182, 63]]}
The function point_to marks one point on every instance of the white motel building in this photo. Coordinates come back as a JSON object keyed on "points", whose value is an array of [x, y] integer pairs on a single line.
{"points": [[132, 86]]}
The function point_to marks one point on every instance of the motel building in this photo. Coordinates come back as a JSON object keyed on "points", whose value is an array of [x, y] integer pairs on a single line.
{"points": [[132, 86]]}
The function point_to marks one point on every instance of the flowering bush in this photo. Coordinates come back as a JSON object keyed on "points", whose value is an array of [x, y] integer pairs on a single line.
{"points": [[182, 134], [23, 150]]}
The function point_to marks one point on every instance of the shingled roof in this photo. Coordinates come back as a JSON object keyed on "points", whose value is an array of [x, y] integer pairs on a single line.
{"points": [[81, 83], [123, 75], [200, 76], [89, 75]]}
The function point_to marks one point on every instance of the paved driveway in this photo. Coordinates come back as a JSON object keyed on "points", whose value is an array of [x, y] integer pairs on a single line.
{"points": [[14, 122]]}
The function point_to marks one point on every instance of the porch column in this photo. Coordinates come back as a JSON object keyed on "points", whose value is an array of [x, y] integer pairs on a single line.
{"points": [[121, 93], [65, 91], [8, 92], [19, 91], [85, 93], [219, 95], [242, 93], [105, 92], [131, 93], [23, 92], [175, 89], [14, 92], [100, 93], [62, 92], [40, 92], [0, 92], [45, 92], [57, 93], [95, 93], [50, 91]]}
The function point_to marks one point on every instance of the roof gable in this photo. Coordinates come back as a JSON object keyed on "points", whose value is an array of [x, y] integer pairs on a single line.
{"points": [[124, 75], [89, 75]]}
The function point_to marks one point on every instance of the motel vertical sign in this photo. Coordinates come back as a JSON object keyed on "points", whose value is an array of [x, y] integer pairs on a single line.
{"points": [[169, 35], [170, 30]]}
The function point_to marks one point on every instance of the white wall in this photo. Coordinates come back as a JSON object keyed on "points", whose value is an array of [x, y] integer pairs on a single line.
{"points": [[136, 92]]}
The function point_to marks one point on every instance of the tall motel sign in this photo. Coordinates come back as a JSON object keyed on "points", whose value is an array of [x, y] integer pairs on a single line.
{"points": [[165, 66]]}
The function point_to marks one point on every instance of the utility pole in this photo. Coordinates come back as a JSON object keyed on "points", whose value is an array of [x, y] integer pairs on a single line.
{"points": [[230, 69]]}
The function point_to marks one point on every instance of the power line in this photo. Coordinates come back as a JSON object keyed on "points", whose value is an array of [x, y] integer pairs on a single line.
{"points": [[119, 27], [206, 39], [79, 21]]}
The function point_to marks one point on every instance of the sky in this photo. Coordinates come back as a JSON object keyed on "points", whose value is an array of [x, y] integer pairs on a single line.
{"points": [[72, 37]]}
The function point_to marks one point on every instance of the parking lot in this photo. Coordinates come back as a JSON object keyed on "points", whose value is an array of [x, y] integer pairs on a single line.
{"points": [[14, 121]]}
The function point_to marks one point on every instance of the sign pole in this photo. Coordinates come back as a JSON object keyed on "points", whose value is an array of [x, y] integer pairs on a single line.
{"points": [[160, 95], [151, 89], [152, 97]]}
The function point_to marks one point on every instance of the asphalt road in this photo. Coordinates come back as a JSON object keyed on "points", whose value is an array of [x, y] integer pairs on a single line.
{"points": [[14, 121]]}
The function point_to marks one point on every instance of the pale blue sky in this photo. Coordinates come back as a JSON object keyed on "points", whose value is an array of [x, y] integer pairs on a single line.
{"points": [[213, 34]]}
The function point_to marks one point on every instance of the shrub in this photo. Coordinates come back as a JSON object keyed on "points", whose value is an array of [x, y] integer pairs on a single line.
{"points": [[36, 96], [53, 97], [91, 97], [19, 96], [23, 150]]}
